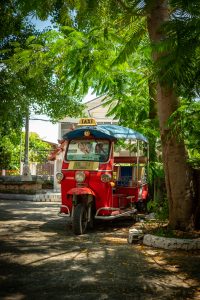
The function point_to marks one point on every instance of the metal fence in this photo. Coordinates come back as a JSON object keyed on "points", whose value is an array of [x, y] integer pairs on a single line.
{"points": [[46, 169]]}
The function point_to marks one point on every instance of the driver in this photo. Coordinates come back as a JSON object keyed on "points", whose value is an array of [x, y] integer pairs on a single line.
{"points": [[99, 148], [101, 151]]}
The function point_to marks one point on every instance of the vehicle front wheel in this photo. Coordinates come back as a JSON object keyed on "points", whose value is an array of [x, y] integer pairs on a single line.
{"points": [[80, 219]]}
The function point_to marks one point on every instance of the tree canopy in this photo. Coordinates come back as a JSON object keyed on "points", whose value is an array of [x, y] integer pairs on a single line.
{"points": [[21, 89], [138, 53], [108, 37]]}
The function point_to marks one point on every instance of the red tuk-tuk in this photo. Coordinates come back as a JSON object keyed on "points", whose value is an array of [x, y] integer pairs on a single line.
{"points": [[104, 173]]}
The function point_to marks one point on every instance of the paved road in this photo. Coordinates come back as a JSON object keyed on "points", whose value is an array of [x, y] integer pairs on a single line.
{"points": [[40, 258]]}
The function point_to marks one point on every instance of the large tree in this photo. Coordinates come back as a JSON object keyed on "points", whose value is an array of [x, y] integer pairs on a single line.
{"points": [[177, 173], [87, 55]]}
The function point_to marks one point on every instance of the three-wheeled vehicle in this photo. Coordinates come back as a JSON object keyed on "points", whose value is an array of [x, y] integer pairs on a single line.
{"points": [[104, 173]]}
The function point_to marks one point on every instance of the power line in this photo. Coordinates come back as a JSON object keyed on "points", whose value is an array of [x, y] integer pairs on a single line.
{"points": [[35, 119]]}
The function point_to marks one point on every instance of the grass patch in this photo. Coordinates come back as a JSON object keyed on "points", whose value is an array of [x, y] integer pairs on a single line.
{"points": [[162, 229]]}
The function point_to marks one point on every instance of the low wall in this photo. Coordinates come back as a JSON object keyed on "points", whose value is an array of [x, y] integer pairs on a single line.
{"points": [[19, 185]]}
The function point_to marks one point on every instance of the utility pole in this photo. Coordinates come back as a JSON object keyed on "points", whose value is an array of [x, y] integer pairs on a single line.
{"points": [[26, 170]]}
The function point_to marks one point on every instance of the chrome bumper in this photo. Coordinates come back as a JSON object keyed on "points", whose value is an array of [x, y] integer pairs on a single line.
{"points": [[127, 213]]}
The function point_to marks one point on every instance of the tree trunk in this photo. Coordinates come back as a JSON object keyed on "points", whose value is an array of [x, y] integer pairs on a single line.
{"points": [[177, 172], [196, 179], [153, 118]]}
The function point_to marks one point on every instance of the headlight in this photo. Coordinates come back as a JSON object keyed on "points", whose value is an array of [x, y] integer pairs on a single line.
{"points": [[106, 177], [59, 176], [80, 176]]}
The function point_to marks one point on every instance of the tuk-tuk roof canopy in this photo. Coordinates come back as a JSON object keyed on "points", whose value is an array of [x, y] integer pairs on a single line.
{"points": [[107, 131]]}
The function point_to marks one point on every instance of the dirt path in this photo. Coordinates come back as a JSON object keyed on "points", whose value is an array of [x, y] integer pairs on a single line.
{"points": [[40, 258]]}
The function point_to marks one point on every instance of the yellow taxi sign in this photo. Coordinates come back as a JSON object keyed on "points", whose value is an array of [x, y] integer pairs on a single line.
{"points": [[87, 122]]}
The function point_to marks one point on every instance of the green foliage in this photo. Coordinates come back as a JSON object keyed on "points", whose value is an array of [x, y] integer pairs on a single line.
{"points": [[26, 79], [9, 139], [180, 64], [100, 44], [164, 231], [158, 200], [104, 45], [155, 170], [160, 208], [12, 149], [185, 124], [38, 149]]}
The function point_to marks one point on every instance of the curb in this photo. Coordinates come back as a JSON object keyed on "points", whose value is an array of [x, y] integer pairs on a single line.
{"points": [[171, 243], [47, 197]]}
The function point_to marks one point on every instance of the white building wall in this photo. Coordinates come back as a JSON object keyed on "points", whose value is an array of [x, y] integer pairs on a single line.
{"points": [[94, 109]]}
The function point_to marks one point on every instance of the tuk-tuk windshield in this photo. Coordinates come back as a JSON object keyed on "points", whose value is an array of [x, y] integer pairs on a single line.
{"points": [[90, 150]]}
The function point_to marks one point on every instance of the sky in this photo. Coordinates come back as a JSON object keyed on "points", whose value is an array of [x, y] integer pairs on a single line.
{"points": [[46, 130]]}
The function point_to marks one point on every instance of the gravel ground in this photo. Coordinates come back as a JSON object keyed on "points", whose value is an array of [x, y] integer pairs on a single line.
{"points": [[40, 258]]}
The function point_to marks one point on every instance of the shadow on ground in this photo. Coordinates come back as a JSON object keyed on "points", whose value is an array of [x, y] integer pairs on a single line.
{"points": [[41, 259]]}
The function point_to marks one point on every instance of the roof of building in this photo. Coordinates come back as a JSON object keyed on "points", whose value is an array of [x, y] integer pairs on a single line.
{"points": [[95, 108]]}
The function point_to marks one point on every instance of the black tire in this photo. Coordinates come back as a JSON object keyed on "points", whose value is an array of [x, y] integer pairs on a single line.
{"points": [[91, 222], [141, 206], [79, 223]]}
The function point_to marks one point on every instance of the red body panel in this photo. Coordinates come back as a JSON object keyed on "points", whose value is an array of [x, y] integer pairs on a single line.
{"points": [[92, 185], [108, 200], [140, 192]]}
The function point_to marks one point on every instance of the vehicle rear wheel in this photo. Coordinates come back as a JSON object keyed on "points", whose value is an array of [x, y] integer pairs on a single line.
{"points": [[141, 206], [80, 219]]}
